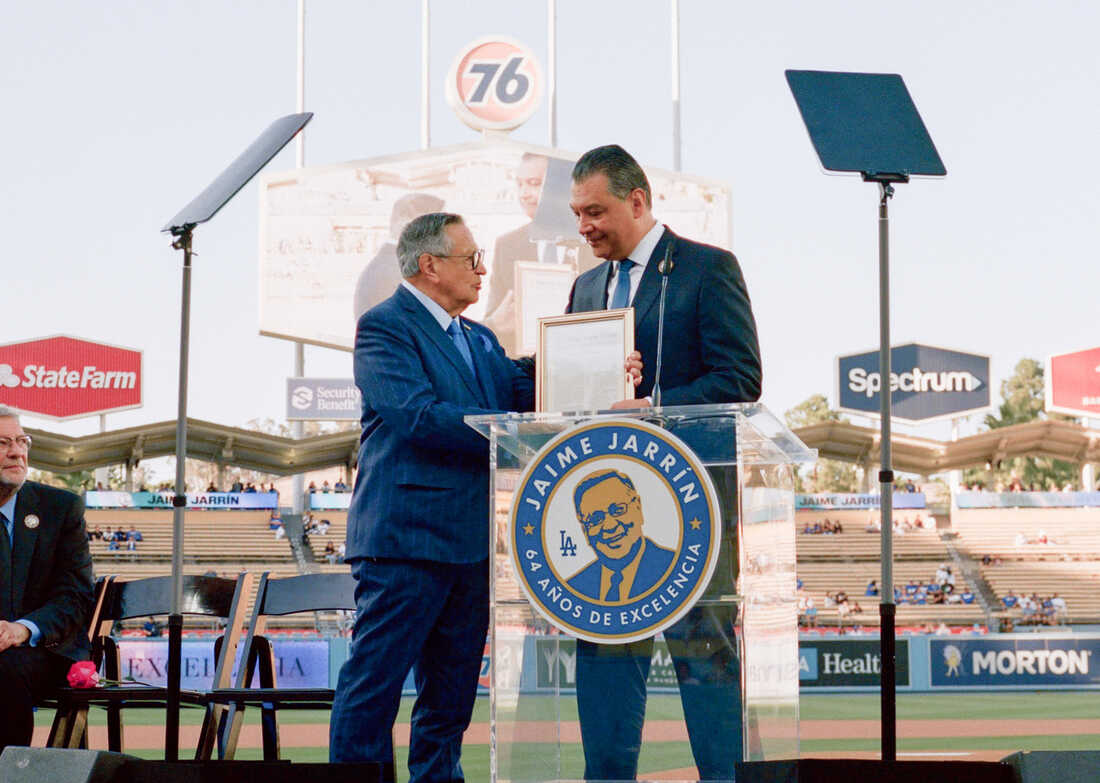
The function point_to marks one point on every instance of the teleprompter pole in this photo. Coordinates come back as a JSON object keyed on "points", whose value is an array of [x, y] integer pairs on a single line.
{"points": [[179, 502], [887, 608]]}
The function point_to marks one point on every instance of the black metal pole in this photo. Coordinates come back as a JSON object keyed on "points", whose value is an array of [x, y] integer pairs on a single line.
{"points": [[887, 608], [179, 502]]}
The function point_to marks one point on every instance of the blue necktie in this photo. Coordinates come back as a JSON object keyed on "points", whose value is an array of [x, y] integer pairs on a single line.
{"points": [[459, 339], [620, 297]]}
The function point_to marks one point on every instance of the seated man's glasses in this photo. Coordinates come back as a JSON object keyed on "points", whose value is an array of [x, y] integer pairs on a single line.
{"points": [[22, 441]]}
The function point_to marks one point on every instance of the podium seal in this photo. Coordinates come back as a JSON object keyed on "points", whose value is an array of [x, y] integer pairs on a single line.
{"points": [[614, 530]]}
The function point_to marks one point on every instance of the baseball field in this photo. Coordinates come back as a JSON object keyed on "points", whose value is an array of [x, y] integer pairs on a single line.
{"points": [[950, 726]]}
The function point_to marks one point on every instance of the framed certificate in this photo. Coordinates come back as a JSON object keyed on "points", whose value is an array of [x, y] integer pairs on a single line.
{"points": [[580, 360], [542, 290]]}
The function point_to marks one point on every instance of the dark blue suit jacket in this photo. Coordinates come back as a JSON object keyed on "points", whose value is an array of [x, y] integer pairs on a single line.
{"points": [[711, 354], [51, 568], [655, 561], [422, 490]]}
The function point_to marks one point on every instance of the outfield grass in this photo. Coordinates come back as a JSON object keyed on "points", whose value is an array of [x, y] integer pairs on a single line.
{"points": [[1035, 706]]}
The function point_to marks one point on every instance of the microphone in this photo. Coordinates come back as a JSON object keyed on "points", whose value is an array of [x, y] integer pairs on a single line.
{"points": [[664, 267]]}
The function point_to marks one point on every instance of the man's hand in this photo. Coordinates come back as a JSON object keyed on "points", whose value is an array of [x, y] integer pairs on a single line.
{"points": [[633, 367], [625, 404], [13, 635]]}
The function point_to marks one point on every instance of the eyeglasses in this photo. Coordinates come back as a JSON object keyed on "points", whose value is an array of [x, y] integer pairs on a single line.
{"points": [[597, 517], [473, 261], [22, 441]]}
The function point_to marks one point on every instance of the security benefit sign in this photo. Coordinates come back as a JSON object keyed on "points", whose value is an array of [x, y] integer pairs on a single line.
{"points": [[926, 383], [836, 663], [614, 530], [323, 399], [1025, 661]]}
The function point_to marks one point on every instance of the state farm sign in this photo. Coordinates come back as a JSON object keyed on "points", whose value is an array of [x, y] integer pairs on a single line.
{"points": [[64, 377]]}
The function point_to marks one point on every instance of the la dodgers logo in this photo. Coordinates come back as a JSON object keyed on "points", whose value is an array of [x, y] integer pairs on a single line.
{"points": [[614, 530]]}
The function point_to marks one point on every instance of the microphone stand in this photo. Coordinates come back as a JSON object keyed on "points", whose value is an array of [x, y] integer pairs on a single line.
{"points": [[664, 267]]}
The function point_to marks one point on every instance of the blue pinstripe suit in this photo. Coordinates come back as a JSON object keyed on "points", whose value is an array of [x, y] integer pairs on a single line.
{"points": [[418, 533]]}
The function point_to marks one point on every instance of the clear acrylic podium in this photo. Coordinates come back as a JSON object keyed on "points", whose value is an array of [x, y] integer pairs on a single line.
{"points": [[734, 669]]}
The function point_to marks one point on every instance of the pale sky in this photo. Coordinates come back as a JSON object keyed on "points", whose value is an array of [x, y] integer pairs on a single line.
{"points": [[117, 114]]}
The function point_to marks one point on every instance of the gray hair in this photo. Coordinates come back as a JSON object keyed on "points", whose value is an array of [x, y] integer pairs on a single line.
{"points": [[622, 171], [8, 413], [425, 234]]}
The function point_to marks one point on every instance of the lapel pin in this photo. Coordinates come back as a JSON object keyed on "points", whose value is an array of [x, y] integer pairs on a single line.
{"points": [[31, 521]]}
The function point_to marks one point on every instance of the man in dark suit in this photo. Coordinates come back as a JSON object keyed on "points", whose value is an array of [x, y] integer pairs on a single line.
{"points": [[418, 525], [45, 585], [711, 355], [627, 562]]}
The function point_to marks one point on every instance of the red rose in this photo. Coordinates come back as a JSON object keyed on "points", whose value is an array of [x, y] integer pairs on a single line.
{"points": [[83, 674]]}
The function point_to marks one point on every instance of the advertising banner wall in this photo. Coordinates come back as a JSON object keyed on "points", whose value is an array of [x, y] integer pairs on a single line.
{"points": [[841, 501], [211, 500], [833, 663], [1017, 661], [926, 383], [298, 664], [329, 501], [1027, 499]]}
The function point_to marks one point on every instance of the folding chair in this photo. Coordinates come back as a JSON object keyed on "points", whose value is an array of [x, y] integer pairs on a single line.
{"points": [[206, 596], [71, 726], [275, 597]]}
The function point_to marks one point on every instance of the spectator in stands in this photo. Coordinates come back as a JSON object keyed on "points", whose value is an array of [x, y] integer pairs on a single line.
{"points": [[837, 527], [798, 583], [237, 486], [1068, 487], [966, 596], [856, 608], [212, 487], [250, 487], [152, 628], [341, 550], [873, 525], [827, 527], [1010, 600], [842, 612], [942, 629], [134, 534], [276, 519], [330, 552], [340, 486], [872, 589], [1015, 485], [910, 486], [312, 487], [323, 526], [108, 536], [1059, 605], [277, 525], [96, 534], [325, 486]]}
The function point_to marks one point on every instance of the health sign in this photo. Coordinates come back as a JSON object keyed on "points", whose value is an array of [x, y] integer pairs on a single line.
{"points": [[495, 83], [63, 377]]}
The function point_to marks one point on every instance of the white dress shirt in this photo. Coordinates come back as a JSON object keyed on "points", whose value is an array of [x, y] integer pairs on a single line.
{"points": [[640, 256]]}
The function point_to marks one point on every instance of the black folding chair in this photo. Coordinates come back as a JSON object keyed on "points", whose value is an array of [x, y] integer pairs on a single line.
{"points": [[216, 598], [275, 597], [71, 726]]}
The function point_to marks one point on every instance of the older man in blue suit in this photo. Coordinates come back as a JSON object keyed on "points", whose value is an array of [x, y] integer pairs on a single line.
{"points": [[418, 530]]}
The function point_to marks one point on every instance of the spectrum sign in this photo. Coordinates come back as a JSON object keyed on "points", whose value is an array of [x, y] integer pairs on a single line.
{"points": [[926, 383], [64, 377]]}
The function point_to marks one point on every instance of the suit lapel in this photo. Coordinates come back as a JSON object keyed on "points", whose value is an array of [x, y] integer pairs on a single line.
{"points": [[649, 288], [429, 326], [22, 544], [592, 292], [481, 364]]}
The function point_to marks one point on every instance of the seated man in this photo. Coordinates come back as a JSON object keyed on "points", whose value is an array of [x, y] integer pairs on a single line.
{"points": [[45, 593]]}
